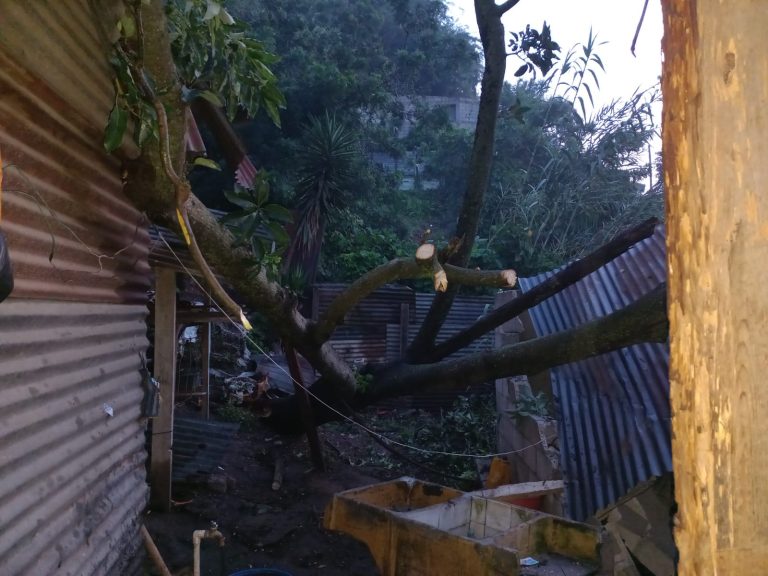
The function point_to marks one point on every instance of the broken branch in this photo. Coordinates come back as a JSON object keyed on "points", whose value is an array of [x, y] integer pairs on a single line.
{"points": [[182, 189], [560, 281], [424, 265], [645, 320]]}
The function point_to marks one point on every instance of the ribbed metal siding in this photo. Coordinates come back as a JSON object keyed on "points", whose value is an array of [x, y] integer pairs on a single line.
{"points": [[65, 44], [465, 311], [72, 481], [71, 233], [371, 330], [362, 338], [614, 409], [382, 306]]}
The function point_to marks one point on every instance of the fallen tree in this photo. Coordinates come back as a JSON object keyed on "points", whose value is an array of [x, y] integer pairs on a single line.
{"points": [[154, 187]]}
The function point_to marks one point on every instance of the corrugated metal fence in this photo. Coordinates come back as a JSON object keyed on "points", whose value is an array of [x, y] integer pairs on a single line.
{"points": [[72, 480], [374, 330]]}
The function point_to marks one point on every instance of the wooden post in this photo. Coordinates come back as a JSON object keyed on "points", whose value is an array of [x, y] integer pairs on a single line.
{"points": [[715, 85], [165, 373], [205, 368], [316, 451]]}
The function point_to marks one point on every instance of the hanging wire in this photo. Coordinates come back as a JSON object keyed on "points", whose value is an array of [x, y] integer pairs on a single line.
{"points": [[320, 400]]}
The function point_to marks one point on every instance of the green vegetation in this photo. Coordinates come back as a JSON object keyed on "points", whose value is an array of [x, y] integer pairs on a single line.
{"points": [[467, 427], [562, 182]]}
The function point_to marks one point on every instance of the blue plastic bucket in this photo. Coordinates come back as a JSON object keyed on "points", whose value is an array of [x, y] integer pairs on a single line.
{"points": [[260, 572]]}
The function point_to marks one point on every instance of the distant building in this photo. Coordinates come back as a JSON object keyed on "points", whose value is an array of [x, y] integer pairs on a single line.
{"points": [[462, 113]]}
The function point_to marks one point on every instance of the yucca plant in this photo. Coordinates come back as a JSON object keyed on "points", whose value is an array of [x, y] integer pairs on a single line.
{"points": [[324, 165]]}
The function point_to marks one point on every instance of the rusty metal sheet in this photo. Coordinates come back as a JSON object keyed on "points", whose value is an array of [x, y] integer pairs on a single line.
{"points": [[378, 308], [614, 413], [71, 232], [72, 480], [66, 44]]}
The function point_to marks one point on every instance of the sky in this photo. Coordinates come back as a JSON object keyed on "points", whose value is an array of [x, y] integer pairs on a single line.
{"points": [[614, 21]]}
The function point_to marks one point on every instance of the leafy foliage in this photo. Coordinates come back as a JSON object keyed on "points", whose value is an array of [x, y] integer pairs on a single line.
{"points": [[258, 223], [467, 427], [218, 59], [130, 103], [536, 405], [536, 50], [578, 72], [560, 184], [324, 160]]}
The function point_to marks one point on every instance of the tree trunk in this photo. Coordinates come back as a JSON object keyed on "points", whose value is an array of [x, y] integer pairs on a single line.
{"points": [[642, 321], [494, 51], [715, 148]]}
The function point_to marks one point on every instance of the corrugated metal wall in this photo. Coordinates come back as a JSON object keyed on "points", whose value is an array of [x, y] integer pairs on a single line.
{"points": [[614, 413], [71, 476], [371, 332], [72, 480], [363, 335]]}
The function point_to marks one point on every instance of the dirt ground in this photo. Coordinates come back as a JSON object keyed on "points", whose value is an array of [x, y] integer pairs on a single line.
{"points": [[273, 529]]}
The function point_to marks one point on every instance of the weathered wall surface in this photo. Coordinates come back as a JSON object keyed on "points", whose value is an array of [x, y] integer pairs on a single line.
{"points": [[72, 480]]}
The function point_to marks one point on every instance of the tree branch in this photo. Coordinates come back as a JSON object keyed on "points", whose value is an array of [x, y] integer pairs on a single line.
{"points": [[489, 278], [488, 15], [422, 266], [153, 191], [506, 6], [645, 320], [560, 281]]}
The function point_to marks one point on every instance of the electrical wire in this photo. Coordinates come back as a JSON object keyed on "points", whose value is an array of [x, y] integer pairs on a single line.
{"points": [[350, 420]]}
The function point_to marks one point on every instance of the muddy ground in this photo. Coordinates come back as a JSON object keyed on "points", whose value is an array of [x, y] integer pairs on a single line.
{"points": [[268, 528]]}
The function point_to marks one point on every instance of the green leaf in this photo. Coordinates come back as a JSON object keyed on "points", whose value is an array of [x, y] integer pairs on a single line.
{"points": [[597, 59], [116, 124], [212, 97], [226, 18], [522, 70], [145, 130], [262, 193], [278, 233], [233, 218], [207, 162], [238, 200], [128, 26], [258, 249], [278, 213]]}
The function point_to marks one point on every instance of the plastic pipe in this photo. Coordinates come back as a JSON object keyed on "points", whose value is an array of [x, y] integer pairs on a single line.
{"points": [[197, 537]]}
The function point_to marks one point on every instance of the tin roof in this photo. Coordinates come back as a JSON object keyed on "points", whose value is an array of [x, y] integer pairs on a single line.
{"points": [[614, 413]]}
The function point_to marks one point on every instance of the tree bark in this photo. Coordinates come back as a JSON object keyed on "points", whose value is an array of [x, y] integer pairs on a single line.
{"points": [[422, 266], [715, 150]]}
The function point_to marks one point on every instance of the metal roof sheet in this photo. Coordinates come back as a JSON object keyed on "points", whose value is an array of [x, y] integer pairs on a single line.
{"points": [[614, 413]]}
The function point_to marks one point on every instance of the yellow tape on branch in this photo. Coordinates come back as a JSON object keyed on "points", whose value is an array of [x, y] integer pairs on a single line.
{"points": [[184, 228], [244, 322]]}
